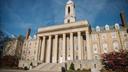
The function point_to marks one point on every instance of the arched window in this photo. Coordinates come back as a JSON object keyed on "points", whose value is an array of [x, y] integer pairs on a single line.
{"points": [[68, 21], [68, 10]]}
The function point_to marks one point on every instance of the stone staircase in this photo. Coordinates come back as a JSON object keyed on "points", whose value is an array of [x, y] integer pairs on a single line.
{"points": [[48, 67]]}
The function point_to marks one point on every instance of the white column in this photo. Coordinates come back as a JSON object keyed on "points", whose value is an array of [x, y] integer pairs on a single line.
{"points": [[82, 47], [64, 46], [89, 56], [60, 50], [42, 49], [71, 46], [55, 49], [79, 45], [48, 50], [39, 50]]}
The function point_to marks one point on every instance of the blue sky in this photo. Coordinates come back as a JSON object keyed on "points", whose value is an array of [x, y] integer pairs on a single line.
{"points": [[16, 16]]}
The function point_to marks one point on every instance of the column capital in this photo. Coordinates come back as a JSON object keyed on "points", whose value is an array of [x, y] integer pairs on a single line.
{"points": [[56, 35], [64, 33], [38, 37], [79, 32], [50, 36], [44, 37], [87, 32], [71, 33]]}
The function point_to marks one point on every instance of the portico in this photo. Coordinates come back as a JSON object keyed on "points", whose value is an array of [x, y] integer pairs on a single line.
{"points": [[57, 44]]}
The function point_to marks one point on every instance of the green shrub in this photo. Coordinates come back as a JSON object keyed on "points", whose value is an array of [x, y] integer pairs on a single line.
{"points": [[78, 69], [26, 68], [72, 67]]}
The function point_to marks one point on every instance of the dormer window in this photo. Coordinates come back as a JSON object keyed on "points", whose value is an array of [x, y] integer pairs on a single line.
{"points": [[97, 28], [106, 27], [117, 26]]}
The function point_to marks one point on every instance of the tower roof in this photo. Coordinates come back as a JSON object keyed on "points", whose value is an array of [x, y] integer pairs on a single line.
{"points": [[69, 2]]}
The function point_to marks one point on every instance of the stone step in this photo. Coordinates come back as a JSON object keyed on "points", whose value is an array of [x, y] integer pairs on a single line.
{"points": [[39, 66], [44, 66], [40, 71], [56, 67], [48, 67]]}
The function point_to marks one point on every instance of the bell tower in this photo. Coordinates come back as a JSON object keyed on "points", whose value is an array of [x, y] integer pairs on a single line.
{"points": [[69, 12]]}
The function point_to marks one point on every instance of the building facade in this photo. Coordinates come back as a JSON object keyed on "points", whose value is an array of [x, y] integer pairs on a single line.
{"points": [[13, 47], [73, 41]]}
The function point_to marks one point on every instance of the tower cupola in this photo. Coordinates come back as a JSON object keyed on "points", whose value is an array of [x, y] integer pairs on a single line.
{"points": [[69, 12]]}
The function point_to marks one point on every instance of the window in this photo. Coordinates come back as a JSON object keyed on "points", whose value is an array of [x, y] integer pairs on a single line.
{"points": [[94, 37], [76, 57], [113, 34], [96, 57], [125, 35], [95, 48], [24, 52], [34, 52], [68, 10], [105, 48], [29, 52], [116, 46], [94, 65], [20, 44], [85, 48], [68, 57], [68, 21], [126, 44], [103, 36]]}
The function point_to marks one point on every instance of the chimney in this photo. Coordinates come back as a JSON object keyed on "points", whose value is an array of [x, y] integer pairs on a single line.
{"points": [[28, 34], [123, 19]]}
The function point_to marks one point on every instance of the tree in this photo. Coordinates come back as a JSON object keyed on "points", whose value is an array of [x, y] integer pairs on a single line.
{"points": [[72, 66], [116, 60], [3, 39]]}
